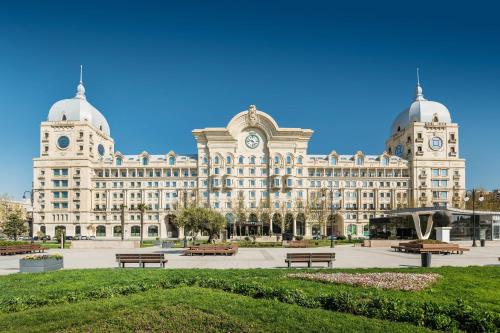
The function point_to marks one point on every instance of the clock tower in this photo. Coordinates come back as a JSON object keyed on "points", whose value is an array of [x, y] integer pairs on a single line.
{"points": [[425, 135]]}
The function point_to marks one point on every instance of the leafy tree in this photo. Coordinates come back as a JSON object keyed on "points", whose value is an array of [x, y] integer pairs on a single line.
{"points": [[214, 224], [14, 226], [197, 219]]}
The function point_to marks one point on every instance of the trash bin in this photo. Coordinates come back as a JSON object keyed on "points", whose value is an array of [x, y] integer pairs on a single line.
{"points": [[426, 259], [483, 242]]}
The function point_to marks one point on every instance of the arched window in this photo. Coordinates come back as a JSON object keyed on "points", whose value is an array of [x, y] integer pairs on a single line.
{"points": [[252, 160], [276, 159], [299, 159], [359, 160], [171, 160], [288, 159], [333, 160], [152, 231], [117, 231], [205, 160], [43, 229], [118, 161], [216, 160], [228, 160], [64, 117], [241, 160], [263, 160], [135, 231], [144, 161], [100, 231]]}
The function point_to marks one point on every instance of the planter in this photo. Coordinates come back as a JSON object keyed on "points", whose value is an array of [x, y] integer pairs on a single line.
{"points": [[40, 265]]}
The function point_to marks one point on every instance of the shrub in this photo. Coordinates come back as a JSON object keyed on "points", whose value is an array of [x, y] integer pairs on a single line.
{"points": [[341, 237], [43, 256]]}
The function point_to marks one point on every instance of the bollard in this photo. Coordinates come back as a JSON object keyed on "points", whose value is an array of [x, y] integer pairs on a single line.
{"points": [[426, 259], [483, 242]]}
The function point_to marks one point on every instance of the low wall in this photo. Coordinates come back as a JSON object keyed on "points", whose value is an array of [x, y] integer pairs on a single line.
{"points": [[382, 242], [104, 244]]}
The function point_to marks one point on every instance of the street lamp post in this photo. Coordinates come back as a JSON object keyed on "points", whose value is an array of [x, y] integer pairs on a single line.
{"points": [[32, 212], [332, 214], [471, 195]]}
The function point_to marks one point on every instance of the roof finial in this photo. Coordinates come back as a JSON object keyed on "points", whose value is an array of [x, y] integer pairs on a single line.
{"points": [[80, 90], [419, 92]]}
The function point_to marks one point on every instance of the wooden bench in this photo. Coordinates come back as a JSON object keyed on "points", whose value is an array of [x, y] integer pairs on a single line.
{"points": [[213, 250], [298, 244], [429, 248], [309, 258], [21, 249], [141, 258]]}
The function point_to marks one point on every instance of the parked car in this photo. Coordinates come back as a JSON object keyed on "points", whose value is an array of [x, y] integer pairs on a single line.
{"points": [[46, 238], [330, 237], [92, 238], [69, 237], [84, 238]]}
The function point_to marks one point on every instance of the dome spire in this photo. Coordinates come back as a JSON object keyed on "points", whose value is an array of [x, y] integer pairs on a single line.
{"points": [[419, 92], [80, 90]]}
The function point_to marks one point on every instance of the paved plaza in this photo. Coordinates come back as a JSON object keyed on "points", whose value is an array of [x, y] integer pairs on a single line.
{"points": [[348, 256]]}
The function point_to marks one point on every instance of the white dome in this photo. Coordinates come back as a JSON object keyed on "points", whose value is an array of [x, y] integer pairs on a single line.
{"points": [[421, 110], [78, 109]]}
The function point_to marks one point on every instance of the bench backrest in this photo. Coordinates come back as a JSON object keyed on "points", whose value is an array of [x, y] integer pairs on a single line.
{"points": [[310, 255], [140, 256]]}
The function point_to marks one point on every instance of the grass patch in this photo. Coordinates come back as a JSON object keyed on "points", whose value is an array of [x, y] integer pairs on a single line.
{"points": [[478, 286], [190, 310]]}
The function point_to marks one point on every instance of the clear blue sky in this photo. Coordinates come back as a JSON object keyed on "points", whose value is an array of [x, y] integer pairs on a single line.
{"points": [[157, 70]]}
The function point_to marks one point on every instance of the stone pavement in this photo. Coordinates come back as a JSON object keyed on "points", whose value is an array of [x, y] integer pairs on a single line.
{"points": [[347, 256]]}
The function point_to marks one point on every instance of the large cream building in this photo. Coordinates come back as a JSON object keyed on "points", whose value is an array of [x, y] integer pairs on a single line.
{"points": [[256, 173]]}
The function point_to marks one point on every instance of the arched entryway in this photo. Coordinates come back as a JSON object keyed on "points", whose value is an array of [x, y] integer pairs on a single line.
{"points": [[230, 226], [266, 224], [60, 230], [117, 231], [153, 231], [100, 231], [288, 234], [300, 224], [252, 227], [172, 230]]}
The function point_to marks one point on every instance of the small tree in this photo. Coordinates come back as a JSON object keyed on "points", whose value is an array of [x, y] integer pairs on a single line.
{"points": [[198, 219], [214, 224], [14, 226]]}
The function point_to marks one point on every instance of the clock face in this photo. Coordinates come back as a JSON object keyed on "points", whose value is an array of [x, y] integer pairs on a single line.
{"points": [[252, 141], [63, 142], [436, 143], [399, 150], [100, 150]]}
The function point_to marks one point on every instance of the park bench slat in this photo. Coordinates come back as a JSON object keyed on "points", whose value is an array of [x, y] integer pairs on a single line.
{"points": [[141, 258]]}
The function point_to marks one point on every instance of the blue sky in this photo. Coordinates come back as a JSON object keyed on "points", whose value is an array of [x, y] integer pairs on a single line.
{"points": [[157, 70]]}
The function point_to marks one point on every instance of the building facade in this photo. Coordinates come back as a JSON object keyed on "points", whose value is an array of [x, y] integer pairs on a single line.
{"points": [[256, 173]]}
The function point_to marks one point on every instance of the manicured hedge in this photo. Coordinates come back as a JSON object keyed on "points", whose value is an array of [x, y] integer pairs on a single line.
{"points": [[448, 317], [10, 243]]}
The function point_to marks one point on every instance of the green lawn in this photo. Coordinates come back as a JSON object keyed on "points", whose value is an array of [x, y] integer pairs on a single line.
{"points": [[188, 308]]}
